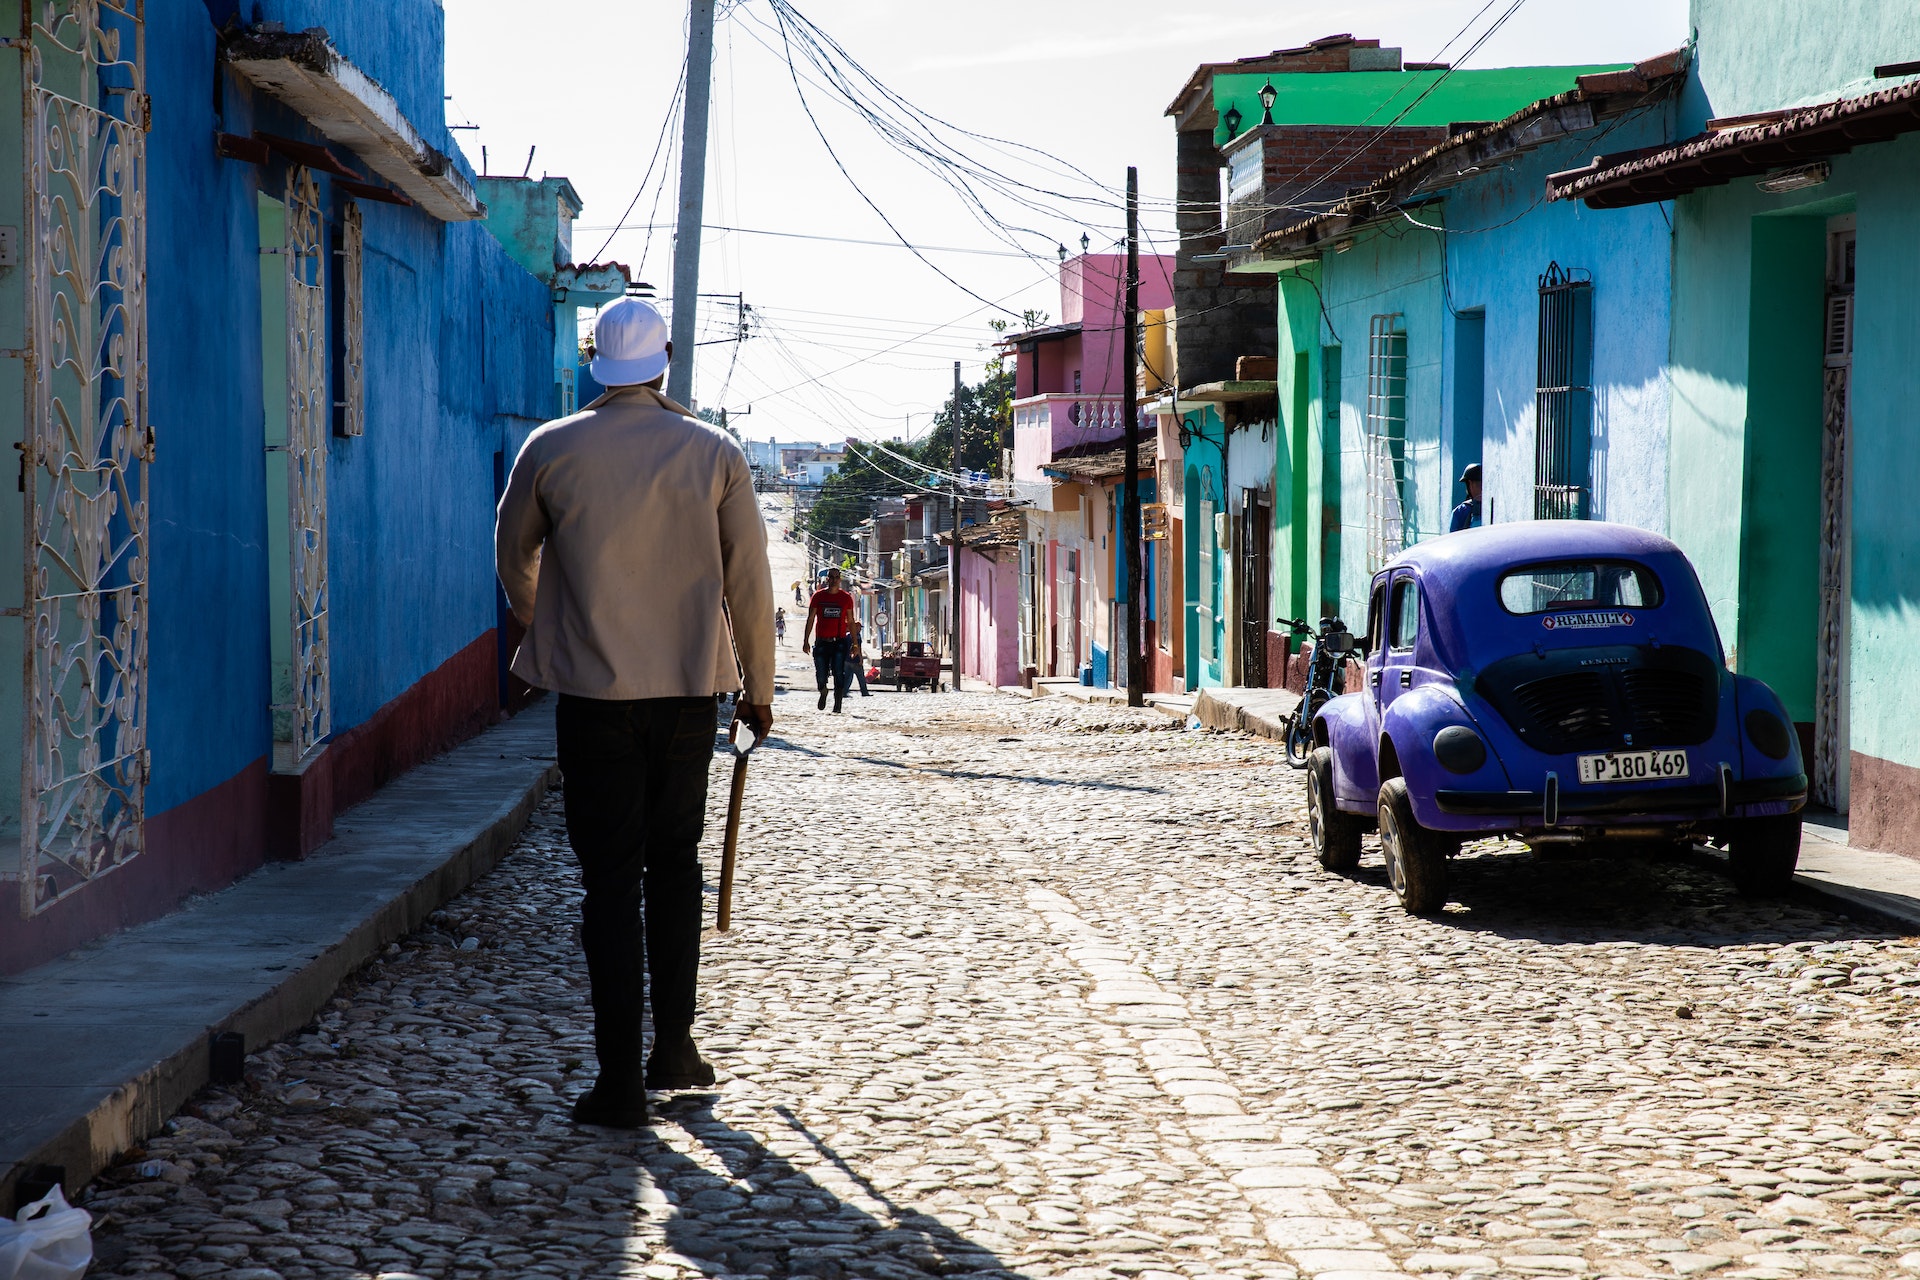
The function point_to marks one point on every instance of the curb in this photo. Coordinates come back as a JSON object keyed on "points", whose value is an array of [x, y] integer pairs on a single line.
{"points": [[139, 1107], [1218, 713]]}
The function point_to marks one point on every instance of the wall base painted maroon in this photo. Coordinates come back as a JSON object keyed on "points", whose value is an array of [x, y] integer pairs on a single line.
{"points": [[444, 708], [1277, 658], [1884, 806], [222, 834], [205, 844]]}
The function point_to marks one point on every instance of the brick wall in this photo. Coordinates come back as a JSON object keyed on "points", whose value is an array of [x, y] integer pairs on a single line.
{"points": [[1216, 322]]}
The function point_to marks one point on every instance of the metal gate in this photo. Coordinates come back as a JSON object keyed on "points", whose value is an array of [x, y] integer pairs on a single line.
{"points": [[86, 445], [304, 723], [1388, 530], [1563, 397]]}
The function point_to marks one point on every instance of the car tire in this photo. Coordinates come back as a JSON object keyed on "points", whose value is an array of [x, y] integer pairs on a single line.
{"points": [[1762, 853], [1336, 835], [1416, 857]]}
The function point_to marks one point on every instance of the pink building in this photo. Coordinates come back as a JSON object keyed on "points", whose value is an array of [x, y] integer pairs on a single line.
{"points": [[1068, 377], [989, 600]]}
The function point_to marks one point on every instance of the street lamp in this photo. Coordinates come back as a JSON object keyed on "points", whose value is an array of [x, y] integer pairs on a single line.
{"points": [[1063, 253], [1267, 96], [1086, 242], [1232, 120]]}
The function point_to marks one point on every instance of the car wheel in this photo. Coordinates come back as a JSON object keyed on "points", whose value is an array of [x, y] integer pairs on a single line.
{"points": [[1336, 835], [1416, 857], [1762, 853]]}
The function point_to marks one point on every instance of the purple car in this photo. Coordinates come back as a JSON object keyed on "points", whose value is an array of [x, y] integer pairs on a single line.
{"points": [[1561, 682]]}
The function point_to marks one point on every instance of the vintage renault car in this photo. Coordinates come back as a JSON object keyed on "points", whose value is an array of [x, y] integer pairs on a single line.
{"points": [[1559, 681]]}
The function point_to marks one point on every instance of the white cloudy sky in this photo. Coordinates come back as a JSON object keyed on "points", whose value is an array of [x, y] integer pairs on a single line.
{"points": [[845, 347]]}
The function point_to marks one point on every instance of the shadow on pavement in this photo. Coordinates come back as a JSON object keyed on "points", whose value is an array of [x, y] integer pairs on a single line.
{"points": [[745, 1210], [1637, 896]]}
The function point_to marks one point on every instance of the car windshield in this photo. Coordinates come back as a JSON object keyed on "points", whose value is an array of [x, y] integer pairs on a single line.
{"points": [[1579, 585]]}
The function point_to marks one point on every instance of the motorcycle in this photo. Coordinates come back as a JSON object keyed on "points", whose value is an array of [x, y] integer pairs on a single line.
{"points": [[1326, 679]]}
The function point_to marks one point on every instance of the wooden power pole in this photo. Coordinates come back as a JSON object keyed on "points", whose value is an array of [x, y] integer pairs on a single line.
{"points": [[1130, 409]]}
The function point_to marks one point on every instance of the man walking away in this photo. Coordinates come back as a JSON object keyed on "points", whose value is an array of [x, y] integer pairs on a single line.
{"points": [[831, 613], [623, 531], [1467, 514]]}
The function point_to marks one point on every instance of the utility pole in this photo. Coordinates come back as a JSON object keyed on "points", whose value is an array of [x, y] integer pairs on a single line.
{"points": [[1130, 407], [953, 557], [693, 197]]}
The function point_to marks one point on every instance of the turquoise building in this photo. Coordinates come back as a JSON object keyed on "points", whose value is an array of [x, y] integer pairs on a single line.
{"points": [[1795, 190]]}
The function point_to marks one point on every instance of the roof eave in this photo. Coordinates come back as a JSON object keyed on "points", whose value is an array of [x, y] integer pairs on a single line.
{"points": [[306, 72]]}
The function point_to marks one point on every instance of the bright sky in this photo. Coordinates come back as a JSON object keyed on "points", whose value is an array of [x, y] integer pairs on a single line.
{"points": [[860, 339]]}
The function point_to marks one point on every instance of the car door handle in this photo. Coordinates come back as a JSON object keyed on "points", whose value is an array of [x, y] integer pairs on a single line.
{"points": [[1406, 678], [1373, 678]]}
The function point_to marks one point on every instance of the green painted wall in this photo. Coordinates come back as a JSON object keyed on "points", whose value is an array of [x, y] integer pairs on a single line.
{"points": [[1745, 445], [1394, 269], [1779, 571], [1885, 699], [1376, 98]]}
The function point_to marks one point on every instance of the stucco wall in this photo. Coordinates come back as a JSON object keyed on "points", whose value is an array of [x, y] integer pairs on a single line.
{"points": [[1784, 53], [458, 338], [1391, 271], [1501, 238]]}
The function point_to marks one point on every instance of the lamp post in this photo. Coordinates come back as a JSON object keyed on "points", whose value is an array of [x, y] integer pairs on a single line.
{"points": [[1232, 120], [1268, 94]]}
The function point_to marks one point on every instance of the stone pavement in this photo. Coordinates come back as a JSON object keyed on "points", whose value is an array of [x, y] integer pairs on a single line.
{"points": [[1044, 989], [106, 1042]]}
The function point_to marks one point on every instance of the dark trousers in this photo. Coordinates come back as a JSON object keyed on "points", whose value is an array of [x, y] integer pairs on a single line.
{"points": [[635, 778], [858, 665], [830, 657]]}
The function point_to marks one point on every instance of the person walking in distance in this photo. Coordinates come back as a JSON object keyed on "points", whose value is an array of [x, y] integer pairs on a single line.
{"points": [[830, 618], [623, 532], [780, 626], [857, 657]]}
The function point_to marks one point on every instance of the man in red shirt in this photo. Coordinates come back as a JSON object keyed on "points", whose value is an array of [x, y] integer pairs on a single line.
{"points": [[830, 616]]}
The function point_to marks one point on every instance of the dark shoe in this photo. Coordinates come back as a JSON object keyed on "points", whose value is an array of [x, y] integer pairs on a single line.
{"points": [[675, 1063], [611, 1108], [836, 702], [865, 694], [822, 704]]}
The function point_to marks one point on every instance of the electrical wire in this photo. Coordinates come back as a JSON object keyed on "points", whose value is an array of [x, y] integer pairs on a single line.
{"points": [[666, 128]]}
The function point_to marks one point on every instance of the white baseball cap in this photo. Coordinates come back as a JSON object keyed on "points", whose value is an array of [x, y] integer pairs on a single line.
{"points": [[629, 344]]}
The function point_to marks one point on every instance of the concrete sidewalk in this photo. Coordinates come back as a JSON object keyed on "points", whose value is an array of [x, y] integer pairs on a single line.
{"points": [[1262, 712], [1178, 706], [106, 1043]]}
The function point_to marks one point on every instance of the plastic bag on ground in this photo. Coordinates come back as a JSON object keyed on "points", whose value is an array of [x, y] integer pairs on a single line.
{"points": [[48, 1240]]}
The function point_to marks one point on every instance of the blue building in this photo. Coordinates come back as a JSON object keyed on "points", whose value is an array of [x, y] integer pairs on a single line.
{"points": [[1447, 314], [265, 368]]}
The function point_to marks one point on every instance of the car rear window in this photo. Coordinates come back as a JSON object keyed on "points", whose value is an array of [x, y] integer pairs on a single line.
{"points": [[1583, 584]]}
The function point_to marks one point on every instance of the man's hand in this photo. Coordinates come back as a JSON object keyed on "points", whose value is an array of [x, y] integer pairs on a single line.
{"points": [[756, 716], [805, 647]]}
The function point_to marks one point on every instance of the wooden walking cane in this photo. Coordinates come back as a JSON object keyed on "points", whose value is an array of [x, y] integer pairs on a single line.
{"points": [[732, 845]]}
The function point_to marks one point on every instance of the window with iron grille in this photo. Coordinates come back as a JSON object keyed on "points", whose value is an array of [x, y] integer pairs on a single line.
{"points": [[1563, 398], [1388, 529]]}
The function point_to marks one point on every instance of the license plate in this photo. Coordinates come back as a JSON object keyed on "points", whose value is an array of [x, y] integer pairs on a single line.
{"points": [[1633, 766]]}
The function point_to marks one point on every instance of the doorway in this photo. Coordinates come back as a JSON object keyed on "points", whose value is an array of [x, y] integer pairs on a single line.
{"points": [[1828, 767], [296, 422], [1256, 577]]}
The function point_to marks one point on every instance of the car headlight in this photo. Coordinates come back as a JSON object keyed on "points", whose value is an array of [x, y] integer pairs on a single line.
{"points": [[1769, 734], [1459, 749]]}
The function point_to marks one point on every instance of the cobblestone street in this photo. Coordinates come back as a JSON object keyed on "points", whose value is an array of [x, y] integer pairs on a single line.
{"points": [[1038, 989]]}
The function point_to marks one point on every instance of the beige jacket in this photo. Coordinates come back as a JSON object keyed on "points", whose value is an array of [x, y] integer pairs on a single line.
{"points": [[623, 530]]}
